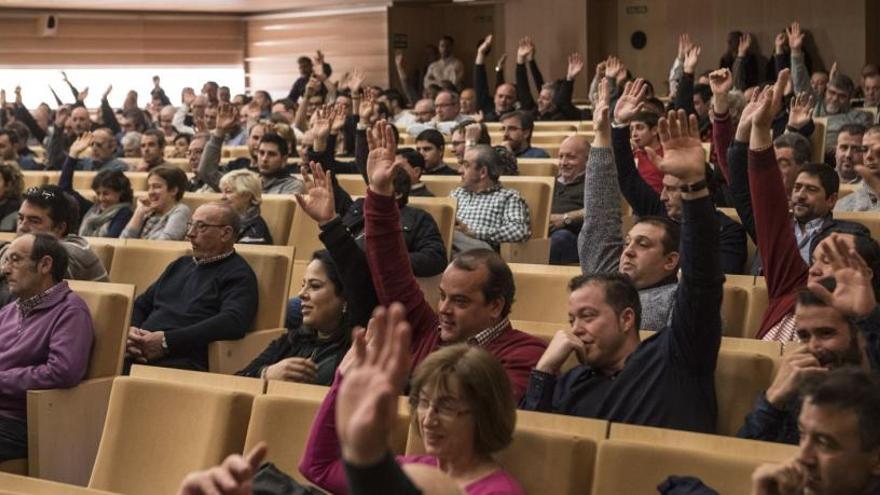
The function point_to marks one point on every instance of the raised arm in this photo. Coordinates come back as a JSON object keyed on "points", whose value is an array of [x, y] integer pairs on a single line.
{"points": [[600, 241], [643, 199], [385, 246], [108, 116], [739, 64], [784, 269], [523, 90], [684, 97], [562, 98], [800, 76], [481, 83], [696, 319]]}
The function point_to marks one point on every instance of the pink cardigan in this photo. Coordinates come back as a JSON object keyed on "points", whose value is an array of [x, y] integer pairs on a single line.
{"points": [[322, 460]]}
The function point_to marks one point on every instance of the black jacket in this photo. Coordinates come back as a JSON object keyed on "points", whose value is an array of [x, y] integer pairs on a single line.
{"points": [[427, 252]]}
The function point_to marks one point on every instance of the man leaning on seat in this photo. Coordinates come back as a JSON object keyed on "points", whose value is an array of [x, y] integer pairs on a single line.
{"points": [[45, 337], [209, 296]]}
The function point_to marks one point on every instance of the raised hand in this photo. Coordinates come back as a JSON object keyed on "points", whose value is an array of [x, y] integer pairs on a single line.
{"points": [[83, 94], [233, 477], [472, 133], [832, 74], [318, 201], [380, 161], [2, 98], [575, 66], [339, 119], [683, 155], [356, 81], [691, 58], [630, 102], [312, 87], [485, 46], [319, 59], [795, 37], [323, 120], [81, 144], [801, 111], [745, 42], [366, 108], [684, 44], [612, 67], [398, 59], [522, 50], [227, 117], [601, 120], [107, 92], [853, 293], [721, 81], [779, 43], [366, 407], [770, 102]]}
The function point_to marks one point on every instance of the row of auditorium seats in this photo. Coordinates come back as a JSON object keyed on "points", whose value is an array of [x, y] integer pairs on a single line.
{"points": [[193, 420]]}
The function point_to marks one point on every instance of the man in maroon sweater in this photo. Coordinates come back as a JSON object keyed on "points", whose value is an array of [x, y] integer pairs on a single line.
{"points": [[476, 290]]}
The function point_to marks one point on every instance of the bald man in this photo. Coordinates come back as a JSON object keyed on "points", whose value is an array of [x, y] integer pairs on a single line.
{"points": [[567, 209], [505, 94]]}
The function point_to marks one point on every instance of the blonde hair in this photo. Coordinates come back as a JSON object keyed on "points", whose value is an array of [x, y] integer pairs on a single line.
{"points": [[244, 181]]}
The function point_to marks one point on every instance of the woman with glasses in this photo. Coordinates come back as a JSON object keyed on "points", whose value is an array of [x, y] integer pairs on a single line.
{"points": [[11, 186], [243, 191], [462, 407], [311, 352], [111, 211], [160, 215]]}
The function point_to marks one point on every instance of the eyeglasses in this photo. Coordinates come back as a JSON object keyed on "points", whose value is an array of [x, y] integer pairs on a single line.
{"points": [[444, 408], [15, 259], [201, 227]]}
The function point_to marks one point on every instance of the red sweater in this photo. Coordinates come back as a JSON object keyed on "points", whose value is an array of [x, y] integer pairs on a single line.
{"points": [[394, 281], [648, 170], [784, 269]]}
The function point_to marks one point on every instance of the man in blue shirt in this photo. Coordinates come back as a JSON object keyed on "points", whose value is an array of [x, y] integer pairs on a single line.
{"points": [[517, 127]]}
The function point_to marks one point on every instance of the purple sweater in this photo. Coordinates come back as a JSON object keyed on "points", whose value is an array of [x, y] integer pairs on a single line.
{"points": [[48, 348], [322, 460]]}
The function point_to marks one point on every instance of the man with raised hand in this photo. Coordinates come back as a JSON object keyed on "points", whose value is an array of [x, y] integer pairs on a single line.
{"points": [[667, 380], [649, 255], [505, 94], [476, 290]]}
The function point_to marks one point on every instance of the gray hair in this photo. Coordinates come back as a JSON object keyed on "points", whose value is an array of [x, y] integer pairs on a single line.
{"points": [[488, 159]]}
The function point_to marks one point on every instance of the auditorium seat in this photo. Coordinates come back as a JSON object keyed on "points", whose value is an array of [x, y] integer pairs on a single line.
{"points": [[740, 377], [764, 451], [442, 209], [304, 235], [34, 178], [626, 467], [870, 219], [273, 266], [750, 245], [544, 460], [230, 356], [538, 194], [64, 425], [141, 263], [353, 184], [156, 432], [529, 167], [16, 484], [103, 247], [278, 210], [248, 385]]}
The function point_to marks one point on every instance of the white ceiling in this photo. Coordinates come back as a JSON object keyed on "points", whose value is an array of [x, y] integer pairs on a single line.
{"points": [[218, 6]]}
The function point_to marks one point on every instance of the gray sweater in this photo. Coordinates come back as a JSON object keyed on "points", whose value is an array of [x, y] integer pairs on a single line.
{"points": [[600, 242]]}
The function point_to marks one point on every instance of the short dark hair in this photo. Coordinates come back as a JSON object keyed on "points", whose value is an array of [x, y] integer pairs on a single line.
{"points": [[448, 39], [395, 95], [156, 133], [432, 136], [620, 293], [650, 119], [704, 91], [13, 137], [48, 245], [115, 180], [484, 131], [671, 231], [287, 102], [499, 283], [413, 157], [185, 136], [21, 130], [843, 83], [61, 208], [304, 60], [330, 269], [854, 129], [526, 121], [173, 177], [402, 186], [827, 176], [13, 178], [271, 137], [799, 145], [136, 115], [851, 389]]}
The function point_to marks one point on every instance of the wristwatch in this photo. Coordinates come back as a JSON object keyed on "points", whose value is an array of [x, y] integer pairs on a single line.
{"points": [[164, 343], [695, 187], [566, 220]]}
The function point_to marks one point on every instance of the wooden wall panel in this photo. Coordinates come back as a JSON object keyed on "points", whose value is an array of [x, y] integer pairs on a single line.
{"points": [[348, 40], [89, 39], [838, 33]]}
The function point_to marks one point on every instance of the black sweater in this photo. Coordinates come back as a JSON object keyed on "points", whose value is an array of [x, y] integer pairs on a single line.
{"points": [[196, 305], [303, 342]]}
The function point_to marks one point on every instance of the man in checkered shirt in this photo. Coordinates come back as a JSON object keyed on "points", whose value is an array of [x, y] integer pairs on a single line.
{"points": [[487, 214]]}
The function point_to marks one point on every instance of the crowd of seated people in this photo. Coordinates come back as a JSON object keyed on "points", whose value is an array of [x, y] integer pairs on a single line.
{"points": [[724, 139]]}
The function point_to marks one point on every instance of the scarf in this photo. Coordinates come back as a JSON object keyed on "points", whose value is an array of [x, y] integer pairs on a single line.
{"points": [[96, 223]]}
